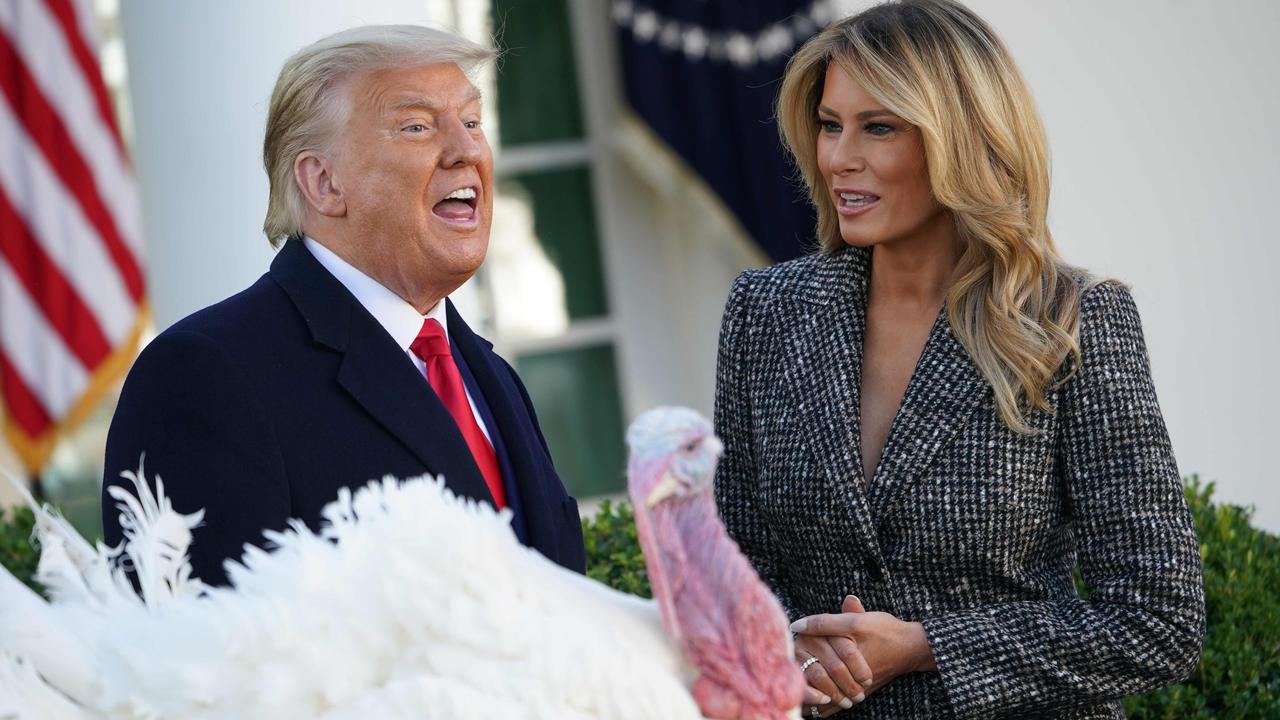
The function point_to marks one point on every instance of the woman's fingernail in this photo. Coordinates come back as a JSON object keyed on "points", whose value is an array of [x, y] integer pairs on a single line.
{"points": [[824, 700], [859, 697], [863, 683], [846, 703], [799, 625]]}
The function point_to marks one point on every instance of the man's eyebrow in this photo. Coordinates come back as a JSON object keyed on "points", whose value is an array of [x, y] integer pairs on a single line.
{"points": [[422, 103], [413, 103]]}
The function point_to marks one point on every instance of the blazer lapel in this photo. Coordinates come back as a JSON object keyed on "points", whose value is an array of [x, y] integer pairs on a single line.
{"points": [[944, 391], [824, 344], [376, 372]]}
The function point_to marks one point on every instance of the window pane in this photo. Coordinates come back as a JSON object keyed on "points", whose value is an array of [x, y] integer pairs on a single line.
{"points": [[564, 235], [76, 492], [537, 78], [72, 479], [576, 396]]}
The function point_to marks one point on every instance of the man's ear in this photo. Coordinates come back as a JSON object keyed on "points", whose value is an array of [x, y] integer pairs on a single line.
{"points": [[313, 172]]}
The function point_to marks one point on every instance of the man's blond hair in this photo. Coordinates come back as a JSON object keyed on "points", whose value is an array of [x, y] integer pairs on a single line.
{"points": [[307, 110]]}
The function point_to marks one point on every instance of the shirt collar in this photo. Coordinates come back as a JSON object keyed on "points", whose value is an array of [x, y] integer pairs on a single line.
{"points": [[400, 319]]}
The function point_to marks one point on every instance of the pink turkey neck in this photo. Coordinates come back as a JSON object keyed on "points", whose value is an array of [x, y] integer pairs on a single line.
{"points": [[731, 627]]}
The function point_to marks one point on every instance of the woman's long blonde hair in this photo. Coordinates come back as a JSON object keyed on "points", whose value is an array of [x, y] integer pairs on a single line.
{"points": [[1014, 303]]}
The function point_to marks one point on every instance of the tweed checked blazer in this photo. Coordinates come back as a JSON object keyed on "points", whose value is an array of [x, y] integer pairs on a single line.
{"points": [[967, 527]]}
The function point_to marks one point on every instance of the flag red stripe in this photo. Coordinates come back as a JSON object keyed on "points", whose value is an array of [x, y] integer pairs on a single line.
{"points": [[63, 308], [48, 132], [23, 405], [66, 16]]}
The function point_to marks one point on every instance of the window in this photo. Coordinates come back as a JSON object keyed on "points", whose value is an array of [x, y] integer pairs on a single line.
{"points": [[548, 291]]}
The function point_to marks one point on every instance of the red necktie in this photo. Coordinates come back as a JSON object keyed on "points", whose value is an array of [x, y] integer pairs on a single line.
{"points": [[433, 347]]}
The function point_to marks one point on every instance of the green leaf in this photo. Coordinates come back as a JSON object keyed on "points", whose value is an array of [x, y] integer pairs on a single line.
{"points": [[18, 554], [613, 550]]}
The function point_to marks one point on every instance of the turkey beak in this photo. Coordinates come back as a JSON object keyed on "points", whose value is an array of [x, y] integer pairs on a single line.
{"points": [[713, 445], [666, 487]]}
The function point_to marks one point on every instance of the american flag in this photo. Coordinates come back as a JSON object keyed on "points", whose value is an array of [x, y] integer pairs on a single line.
{"points": [[72, 297], [704, 76]]}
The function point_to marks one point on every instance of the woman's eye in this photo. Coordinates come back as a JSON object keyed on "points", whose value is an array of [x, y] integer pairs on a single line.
{"points": [[830, 126], [878, 129]]}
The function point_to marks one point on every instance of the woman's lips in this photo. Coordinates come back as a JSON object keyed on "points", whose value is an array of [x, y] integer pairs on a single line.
{"points": [[851, 203]]}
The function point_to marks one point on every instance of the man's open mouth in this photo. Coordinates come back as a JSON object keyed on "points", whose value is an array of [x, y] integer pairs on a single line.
{"points": [[457, 205]]}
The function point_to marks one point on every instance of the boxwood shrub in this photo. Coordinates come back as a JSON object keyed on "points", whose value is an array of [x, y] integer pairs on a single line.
{"points": [[16, 552], [1239, 672]]}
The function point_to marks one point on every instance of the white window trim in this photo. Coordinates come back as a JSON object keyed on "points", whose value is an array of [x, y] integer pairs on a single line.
{"points": [[541, 157]]}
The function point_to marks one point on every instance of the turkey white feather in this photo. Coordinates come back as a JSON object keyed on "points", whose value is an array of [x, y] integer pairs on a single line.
{"points": [[409, 602]]}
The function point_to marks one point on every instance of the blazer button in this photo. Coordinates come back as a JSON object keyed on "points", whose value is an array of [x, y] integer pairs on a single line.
{"points": [[874, 572]]}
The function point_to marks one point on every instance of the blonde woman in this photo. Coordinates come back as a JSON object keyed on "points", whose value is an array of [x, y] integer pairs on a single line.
{"points": [[932, 421]]}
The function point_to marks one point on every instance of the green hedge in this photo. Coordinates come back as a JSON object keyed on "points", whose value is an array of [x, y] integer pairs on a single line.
{"points": [[613, 552], [16, 553], [1239, 673]]}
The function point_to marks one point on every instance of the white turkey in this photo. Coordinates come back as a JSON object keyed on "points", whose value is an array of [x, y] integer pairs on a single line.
{"points": [[383, 614]]}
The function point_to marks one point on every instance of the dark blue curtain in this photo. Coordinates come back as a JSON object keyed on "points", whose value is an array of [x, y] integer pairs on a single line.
{"points": [[704, 75]]}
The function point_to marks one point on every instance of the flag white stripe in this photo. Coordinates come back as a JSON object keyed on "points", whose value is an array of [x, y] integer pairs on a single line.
{"points": [[61, 229], [44, 362], [39, 41], [87, 23]]}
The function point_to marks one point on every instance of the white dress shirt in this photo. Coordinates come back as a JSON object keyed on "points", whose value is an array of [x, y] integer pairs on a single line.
{"points": [[400, 319]]}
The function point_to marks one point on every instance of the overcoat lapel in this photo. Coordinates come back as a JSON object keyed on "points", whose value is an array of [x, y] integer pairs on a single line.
{"points": [[824, 327], [541, 508], [385, 382], [376, 372]]}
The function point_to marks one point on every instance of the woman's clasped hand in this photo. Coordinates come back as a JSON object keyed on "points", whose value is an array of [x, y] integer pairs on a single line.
{"points": [[848, 655]]}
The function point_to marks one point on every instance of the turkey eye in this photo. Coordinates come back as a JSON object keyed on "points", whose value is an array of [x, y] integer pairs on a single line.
{"points": [[691, 446]]}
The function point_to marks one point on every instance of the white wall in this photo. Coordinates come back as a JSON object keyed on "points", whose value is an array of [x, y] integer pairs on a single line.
{"points": [[1162, 123]]}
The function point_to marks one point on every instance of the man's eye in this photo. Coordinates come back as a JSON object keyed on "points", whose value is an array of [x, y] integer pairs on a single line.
{"points": [[415, 128], [472, 124]]}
